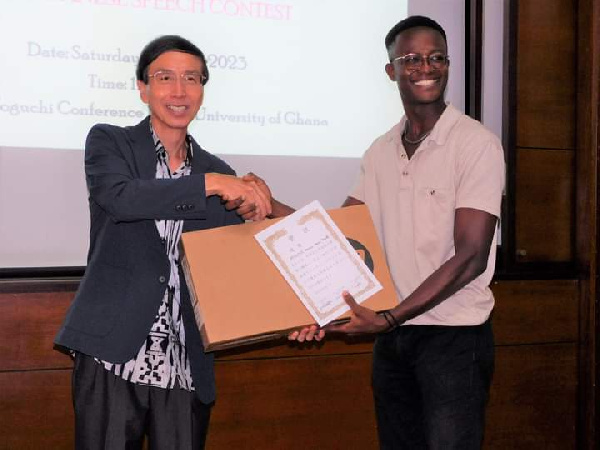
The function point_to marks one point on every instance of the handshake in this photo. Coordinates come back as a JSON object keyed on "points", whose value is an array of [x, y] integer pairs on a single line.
{"points": [[249, 195]]}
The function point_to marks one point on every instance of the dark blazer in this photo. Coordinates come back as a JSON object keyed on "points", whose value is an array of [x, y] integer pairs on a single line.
{"points": [[127, 268]]}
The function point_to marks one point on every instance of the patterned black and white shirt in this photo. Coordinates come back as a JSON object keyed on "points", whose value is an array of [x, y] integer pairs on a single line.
{"points": [[162, 361]]}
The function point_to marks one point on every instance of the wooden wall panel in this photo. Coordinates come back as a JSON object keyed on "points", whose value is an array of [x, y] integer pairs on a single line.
{"points": [[281, 395], [29, 322], [308, 402], [536, 312], [332, 395], [546, 73], [544, 210], [294, 403], [35, 410], [533, 403], [32, 320]]}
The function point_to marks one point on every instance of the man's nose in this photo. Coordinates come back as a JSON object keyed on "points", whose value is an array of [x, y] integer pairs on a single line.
{"points": [[178, 87], [425, 65]]}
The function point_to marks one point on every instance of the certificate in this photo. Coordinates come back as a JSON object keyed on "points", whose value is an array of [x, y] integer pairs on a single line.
{"points": [[318, 262]]}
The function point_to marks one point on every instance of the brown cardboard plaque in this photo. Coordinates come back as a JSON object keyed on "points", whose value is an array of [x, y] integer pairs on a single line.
{"points": [[239, 296]]}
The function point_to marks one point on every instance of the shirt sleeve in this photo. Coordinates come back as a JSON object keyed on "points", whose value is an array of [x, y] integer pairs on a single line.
{"points": [[358, 191], [115, 186], [481, 176]]}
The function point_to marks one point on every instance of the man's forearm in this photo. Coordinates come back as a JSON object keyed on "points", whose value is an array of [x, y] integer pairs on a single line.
{"points": [[282, 210], [279, 209], [452, 276], [473, 237]]}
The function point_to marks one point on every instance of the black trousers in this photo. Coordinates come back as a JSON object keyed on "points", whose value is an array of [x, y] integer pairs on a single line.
{"points": [[114, 414], [431, 385]]}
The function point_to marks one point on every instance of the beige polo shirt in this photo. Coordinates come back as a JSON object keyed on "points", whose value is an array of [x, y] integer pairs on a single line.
{"points": [[412, 203]]}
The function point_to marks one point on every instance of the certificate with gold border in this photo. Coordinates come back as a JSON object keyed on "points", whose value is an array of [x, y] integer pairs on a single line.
{"points": [[318, 262]]}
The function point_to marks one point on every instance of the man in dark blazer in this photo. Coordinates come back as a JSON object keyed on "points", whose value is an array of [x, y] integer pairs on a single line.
{"points": [[140, 368]]}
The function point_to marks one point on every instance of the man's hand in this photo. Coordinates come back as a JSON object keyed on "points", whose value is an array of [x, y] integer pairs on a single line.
{"points": [[362, 320], [307, 334], [246, 211], [259, 182], [278, 209], [252, 202]]}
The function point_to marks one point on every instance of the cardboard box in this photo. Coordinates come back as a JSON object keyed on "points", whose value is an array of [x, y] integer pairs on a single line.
{"points": [[239, 296]]}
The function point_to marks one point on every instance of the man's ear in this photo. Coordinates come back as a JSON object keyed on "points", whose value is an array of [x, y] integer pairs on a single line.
{"points": [[143, 88], [391, 71]]}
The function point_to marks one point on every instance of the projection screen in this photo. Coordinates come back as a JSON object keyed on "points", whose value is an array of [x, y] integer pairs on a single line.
{"points": [[297, 92]]}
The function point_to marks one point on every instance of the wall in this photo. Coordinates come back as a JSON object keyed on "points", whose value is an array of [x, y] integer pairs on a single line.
{"points": [[283, 396], [546, 68]]}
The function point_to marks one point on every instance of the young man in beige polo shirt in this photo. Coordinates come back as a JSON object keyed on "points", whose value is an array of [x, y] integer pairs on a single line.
{"points": [[433, 185]]}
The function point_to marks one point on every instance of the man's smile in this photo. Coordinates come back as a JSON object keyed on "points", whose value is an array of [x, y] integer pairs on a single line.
{"points": [[177, 108], [426, 82]]}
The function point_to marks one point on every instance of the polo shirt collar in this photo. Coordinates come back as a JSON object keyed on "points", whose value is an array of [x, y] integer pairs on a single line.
{"points": [[444, 125], [440, 131]]}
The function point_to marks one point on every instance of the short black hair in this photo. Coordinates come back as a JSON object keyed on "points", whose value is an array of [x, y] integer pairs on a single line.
{"points": [[412, 22], [163, 44]]}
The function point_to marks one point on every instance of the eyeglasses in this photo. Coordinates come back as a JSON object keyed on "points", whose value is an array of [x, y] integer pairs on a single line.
{"points": [[413, 61], [169, 77]]}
